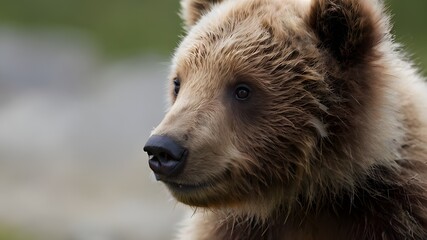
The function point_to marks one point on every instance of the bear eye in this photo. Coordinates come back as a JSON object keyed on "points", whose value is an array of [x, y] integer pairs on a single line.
{"points": [[242, 92], [176, 84]]}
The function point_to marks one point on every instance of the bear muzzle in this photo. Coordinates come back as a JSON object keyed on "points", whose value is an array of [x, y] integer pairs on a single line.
{"points": [[166, 157]]}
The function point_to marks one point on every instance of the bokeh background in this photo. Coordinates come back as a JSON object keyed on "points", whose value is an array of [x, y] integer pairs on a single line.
{"points": [[82, 83]]}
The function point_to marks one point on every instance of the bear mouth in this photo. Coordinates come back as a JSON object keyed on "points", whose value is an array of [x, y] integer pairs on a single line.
{"points": [[186, 188], [195, 187]]}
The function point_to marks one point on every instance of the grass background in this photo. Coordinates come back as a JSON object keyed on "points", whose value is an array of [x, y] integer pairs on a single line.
{"points": [[122, 27], [128, 27]]}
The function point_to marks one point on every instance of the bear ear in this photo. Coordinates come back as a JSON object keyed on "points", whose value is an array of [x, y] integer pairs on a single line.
{"points": [[348, 29], [192, 10]]}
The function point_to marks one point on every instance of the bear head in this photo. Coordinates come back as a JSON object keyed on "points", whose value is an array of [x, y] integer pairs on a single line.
{"points": [[265, 99]]}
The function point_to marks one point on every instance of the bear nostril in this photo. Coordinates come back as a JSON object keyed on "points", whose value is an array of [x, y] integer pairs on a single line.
{"points": [[166, 157]]}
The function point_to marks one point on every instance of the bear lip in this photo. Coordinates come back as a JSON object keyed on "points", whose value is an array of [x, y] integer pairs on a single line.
{"points": [[185, 187]]}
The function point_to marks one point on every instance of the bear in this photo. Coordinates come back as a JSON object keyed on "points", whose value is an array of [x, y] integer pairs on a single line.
{"points": [[293, 119]]}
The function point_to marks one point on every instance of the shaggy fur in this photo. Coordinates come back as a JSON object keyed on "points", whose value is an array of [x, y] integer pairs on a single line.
{"points": [[332, 142]]}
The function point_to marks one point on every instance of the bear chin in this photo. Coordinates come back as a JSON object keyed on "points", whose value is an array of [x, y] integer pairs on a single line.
{"points": [[205, 195]]}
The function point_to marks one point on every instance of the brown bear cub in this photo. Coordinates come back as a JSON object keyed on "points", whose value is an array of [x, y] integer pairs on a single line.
{"points": [[294, 119]]}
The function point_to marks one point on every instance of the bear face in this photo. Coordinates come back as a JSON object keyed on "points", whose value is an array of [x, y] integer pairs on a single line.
{"points": [[238, 151], [270, 101]]}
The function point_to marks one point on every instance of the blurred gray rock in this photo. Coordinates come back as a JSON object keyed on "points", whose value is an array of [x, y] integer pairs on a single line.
{"points": [[71, 135]]}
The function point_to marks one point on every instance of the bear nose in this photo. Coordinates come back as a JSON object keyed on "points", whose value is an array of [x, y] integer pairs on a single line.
{"points": [[167, 157]]}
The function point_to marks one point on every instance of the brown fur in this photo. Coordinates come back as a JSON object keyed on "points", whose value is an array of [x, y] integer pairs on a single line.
{"points": [[331, 144]]}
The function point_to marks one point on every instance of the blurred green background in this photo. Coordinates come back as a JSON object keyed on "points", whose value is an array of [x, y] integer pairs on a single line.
{"points": [[130, 27], [122, 27]]}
